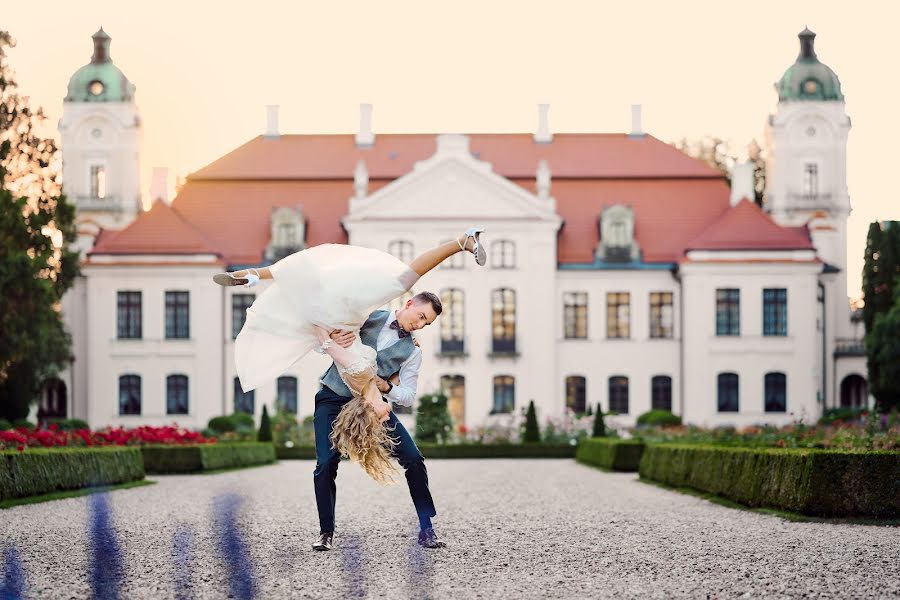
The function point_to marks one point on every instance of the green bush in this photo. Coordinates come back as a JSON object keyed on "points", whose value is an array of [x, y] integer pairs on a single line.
{"points": [[239, 421], [840, 414], [68, 424], [221, 424], [23, 423], [4, 425], [828, 483], [243, 421], [532, 433], [658, 418], [44, 470], [431, 451], [433, 423], [611, 453], [599, 425], [265, 427], [205, 457]]}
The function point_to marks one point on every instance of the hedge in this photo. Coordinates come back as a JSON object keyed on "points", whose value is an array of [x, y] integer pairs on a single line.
{"points": [[205, 457], [430, 451], [825, 483], [611, 453], [37, 471]]}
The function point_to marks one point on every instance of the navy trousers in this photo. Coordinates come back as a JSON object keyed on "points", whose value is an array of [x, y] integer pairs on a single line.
{"points": [[328, 405]]}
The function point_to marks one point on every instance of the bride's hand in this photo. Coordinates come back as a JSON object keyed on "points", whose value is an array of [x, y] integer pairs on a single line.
{"points": [[321, 334]]}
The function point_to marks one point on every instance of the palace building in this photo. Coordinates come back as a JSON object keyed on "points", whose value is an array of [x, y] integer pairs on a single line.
{"points": [[621, 271]]}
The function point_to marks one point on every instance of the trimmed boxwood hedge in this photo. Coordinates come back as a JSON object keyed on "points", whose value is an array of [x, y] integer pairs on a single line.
{"points": [[206, 457], [44, 470], [825, 483], [611, 453], [430, 451]]}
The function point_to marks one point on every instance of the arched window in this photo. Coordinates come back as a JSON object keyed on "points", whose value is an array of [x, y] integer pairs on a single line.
{"points": [[618, 394], [286, 400], [853, 392], [129, 394], [177, 395], [661, 393], [576, 395], [454, 386], [728, 400], [402, 249], [776, 392], [503, 254], [503, 320], [504, 394], [453, 321], [244, 401], [53, 399]]}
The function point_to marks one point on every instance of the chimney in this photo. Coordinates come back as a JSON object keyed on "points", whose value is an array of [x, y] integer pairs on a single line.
{"points": [[159, 185], [360, 180], [364, 137], [636, 130], [543, 180], [271, 121], [742, 182], [543, 135]]}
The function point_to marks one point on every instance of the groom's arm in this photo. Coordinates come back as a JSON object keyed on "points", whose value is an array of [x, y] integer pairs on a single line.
{"points": [[404, 394]]}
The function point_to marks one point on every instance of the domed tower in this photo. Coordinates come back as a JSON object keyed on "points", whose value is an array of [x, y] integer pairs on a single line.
{"points": [[100, 142]]}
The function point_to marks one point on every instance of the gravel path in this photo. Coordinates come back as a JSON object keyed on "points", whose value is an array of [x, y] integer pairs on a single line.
{"points": [[516, 529]]}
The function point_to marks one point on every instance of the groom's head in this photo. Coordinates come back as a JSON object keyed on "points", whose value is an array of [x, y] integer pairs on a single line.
{"points": [[419, 311]]}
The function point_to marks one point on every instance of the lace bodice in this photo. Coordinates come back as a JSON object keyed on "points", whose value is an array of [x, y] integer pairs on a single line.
{"points": [[361, 371]]}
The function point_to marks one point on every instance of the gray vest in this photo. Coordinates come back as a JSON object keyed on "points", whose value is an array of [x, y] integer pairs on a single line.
{"points": [[388, 359]]}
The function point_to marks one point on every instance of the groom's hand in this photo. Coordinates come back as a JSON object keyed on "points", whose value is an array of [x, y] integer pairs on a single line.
{"points": [[381, 384], [343, 338]]}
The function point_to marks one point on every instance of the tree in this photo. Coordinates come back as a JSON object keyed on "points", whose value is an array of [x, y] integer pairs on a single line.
{"points": [[883, 349], [881, 275], [599, 425], [265, 427], [718, 154], [433, 423], [870, 275], [532, 431], [37, 265]]}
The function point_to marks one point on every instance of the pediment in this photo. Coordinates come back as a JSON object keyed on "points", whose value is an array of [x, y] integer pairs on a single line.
{"points": [[451, 184]]}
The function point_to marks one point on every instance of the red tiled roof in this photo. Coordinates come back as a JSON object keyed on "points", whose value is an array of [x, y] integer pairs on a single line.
{"points": [[746, 227], [161, 230], [512, 155]]}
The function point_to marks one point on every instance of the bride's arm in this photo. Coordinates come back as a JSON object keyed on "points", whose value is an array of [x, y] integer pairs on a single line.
{"points": [[341, 356]]}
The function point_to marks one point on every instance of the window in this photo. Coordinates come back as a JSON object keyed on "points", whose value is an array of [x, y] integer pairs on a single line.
{"points": [[504, 394], [661, 393], [129, 315], [402, 249], [661, 315], [503, 320], [287, 235], [576, 397], [575, 315], [618, 394], [239, 305], [617, 318], [728, 392], [452, 321], [456, 261], [178, 315], [728, 311], [503, 254], [617, 243], [98, 182], [287, 395], [129, 394], [243, 401], [775, 311], [776, 392], [454, 386], [177, 395], [810, 180]]}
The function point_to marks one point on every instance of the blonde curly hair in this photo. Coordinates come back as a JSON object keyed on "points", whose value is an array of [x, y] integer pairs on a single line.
{"points": [[358, 435]]}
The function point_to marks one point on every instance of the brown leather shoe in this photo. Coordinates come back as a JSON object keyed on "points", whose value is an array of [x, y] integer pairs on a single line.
{"points": [[429, 539], [324, 542]]}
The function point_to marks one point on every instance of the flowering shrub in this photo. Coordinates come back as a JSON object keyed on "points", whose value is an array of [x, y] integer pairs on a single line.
{"points": [[21, 438], [497, 429], [567, 429]]}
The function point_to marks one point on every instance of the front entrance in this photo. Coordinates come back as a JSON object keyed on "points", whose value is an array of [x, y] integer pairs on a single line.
{"points": [[53, 400], [854, 392]]}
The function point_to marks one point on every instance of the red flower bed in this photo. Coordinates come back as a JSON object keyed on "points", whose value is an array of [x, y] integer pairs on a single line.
{"points": [[21, 437]]}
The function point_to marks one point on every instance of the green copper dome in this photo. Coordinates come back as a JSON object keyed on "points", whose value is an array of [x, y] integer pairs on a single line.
{"points": [[100, 80], [807, 78]]}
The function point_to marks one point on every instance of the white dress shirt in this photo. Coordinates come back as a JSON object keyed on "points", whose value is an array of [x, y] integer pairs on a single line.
{"points": [[405, 393]]}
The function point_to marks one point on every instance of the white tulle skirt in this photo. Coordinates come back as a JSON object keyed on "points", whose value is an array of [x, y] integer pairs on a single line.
{"points": [[335, 286]]}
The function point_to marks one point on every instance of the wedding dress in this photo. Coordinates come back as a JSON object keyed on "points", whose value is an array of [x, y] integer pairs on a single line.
{"points": [[335, 286]]}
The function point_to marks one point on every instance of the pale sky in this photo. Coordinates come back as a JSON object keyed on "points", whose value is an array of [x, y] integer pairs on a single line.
{"points": [[205, 70]]}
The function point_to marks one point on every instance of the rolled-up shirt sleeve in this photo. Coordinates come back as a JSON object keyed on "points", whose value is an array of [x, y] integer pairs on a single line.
{"points": [[405, 393]]}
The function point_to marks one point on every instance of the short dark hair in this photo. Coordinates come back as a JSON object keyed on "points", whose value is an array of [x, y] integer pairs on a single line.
{"points": [[423, 297]]}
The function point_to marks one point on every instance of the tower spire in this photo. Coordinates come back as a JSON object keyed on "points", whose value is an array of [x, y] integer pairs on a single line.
{"points": [[101, 47]]}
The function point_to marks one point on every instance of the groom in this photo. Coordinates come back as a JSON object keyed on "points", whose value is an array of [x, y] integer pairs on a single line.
{"points": [[389, 334]]}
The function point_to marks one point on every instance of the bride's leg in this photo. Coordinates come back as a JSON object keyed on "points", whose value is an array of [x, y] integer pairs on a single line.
{"points": [[435, 256]]}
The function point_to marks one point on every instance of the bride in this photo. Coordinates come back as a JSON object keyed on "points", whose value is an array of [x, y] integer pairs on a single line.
{"points": [[319, 290]]}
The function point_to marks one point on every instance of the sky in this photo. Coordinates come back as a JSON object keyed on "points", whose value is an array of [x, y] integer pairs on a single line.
{"points": [[205, 70]]}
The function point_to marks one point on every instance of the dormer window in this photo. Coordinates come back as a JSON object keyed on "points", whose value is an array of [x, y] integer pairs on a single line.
{"points": [[617, 243], [288, 233]]}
